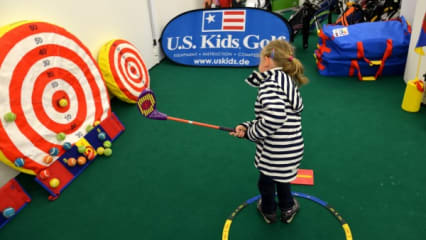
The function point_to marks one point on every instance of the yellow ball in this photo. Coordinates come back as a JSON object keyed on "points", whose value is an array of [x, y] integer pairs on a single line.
{"points": [[63, 102], [54, 182], [100, 150]]}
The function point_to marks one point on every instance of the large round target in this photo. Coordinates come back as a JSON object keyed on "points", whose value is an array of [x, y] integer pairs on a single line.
{"points": [[49, 84], [123, 69]]}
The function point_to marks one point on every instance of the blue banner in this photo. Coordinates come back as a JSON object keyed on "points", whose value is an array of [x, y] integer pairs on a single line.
{"points": [[230, 37]]}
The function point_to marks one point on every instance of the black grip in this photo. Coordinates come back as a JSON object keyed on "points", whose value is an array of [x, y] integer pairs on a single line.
{"points": [[226, 129]]}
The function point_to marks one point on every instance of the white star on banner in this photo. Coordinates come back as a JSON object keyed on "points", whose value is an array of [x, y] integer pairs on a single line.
{"points": [[210, 18]]}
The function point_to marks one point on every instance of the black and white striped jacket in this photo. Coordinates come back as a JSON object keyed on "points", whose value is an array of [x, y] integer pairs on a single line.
{"points": [[277, 129]]}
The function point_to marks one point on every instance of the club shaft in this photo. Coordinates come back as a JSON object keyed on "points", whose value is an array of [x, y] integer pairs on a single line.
{"points": [[200, 124]]}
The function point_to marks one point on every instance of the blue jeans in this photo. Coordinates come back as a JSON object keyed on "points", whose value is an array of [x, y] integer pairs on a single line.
{"points": [[267, 188]]}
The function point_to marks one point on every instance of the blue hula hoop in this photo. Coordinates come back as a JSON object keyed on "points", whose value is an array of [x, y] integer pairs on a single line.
{"points": [[345, 225]]}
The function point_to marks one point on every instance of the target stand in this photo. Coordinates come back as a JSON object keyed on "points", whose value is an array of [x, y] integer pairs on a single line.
{"points": [[60, 174]]}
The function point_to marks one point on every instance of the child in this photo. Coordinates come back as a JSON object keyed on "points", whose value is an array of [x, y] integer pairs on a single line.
{"points": [[277, 129]]}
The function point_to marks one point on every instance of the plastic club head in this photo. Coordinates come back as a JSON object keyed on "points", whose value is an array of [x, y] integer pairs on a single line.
{"points": [[147, 105]]}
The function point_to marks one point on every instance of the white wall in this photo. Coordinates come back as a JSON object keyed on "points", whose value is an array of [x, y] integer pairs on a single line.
{"points": [[412, 61], [166, 10], [407, 9], [94, 22]]}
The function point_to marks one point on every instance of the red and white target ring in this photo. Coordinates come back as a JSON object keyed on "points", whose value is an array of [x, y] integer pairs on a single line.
{"points": [[123, 69], [40, 64]]}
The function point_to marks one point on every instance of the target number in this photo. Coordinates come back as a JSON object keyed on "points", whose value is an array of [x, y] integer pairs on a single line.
{"points": [[79, 134], [38, 40], [54, 84], [46, 63]]}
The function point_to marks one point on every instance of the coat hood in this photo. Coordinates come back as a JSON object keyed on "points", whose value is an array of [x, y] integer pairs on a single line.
{"points": [[256, 78]]}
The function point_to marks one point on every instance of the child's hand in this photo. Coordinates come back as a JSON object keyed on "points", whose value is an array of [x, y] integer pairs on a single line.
{"points": [[240, 131]]}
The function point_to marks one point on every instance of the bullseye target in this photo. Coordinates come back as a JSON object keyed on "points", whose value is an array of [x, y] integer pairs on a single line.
{"points": [[52, 84], [124, 70]]}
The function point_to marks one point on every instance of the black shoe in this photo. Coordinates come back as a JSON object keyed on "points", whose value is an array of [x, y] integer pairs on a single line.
{"points": [[269, 218], [287, 215]]}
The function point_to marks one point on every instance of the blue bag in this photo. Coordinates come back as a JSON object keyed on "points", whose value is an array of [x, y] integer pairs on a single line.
{"points": [[367, 47], [362, 69]]}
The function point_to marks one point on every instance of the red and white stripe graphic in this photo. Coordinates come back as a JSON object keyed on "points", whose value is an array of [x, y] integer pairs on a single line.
{"points": [[40, 64], [234, 20]]}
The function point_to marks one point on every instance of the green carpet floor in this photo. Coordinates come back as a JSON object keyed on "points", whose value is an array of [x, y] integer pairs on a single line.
{"points": [[168, 180]]}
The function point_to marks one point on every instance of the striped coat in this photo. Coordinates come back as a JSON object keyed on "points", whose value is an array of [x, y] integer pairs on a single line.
{"points": [[277, 129]]}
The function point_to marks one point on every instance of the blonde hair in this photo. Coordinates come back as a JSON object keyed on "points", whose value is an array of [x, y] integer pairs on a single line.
{"points": [[282, 52]]}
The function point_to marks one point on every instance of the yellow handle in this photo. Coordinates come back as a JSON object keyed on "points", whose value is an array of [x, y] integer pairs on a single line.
{"points": [[369, 78], [375, 62]]}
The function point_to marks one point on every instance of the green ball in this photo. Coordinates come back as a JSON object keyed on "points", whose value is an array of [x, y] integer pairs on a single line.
{"points": [[10, 117], [107, 144], [61, 136], [81, 149], [89, 128], [108, 152]]}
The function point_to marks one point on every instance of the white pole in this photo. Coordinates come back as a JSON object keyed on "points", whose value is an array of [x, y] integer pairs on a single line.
{"points": [[411, 67], [152, 21], [155, 37]]}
